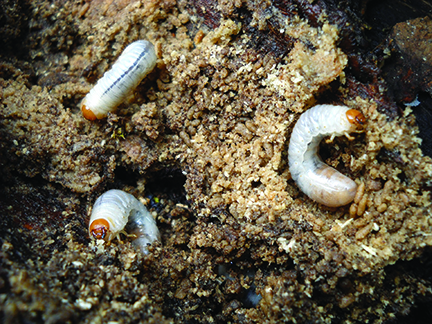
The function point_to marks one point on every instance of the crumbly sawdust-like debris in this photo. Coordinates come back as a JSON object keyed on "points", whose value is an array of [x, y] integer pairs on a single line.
{"points": [[308, 69], [220, 109]]}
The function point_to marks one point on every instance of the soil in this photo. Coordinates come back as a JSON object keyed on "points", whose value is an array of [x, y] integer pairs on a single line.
{"points": [[203, 142]]}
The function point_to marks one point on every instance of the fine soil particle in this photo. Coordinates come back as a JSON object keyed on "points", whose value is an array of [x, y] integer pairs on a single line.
{"points": [[203, 142]]}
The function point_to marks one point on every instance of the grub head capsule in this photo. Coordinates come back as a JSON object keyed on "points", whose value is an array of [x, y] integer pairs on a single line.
{"points": [[356, 118], [87, 113], [99, 228]]}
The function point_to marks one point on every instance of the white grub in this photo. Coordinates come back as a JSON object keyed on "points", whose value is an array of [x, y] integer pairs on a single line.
{"points": [[137, 60], [116, 210], [316, 179]]}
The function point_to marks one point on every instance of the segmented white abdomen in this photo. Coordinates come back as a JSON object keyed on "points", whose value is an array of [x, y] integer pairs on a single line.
{"points": [[316, 179], [115, 210], [142, 225], [137, 60]]}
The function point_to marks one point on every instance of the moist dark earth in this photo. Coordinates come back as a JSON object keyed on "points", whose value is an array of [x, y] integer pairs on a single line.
{"points": [[203, 143]]}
